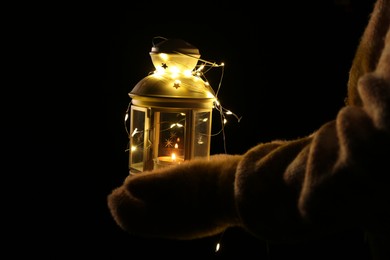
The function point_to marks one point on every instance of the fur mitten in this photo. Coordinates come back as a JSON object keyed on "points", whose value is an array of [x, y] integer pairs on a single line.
{"points": [[191, 200]]}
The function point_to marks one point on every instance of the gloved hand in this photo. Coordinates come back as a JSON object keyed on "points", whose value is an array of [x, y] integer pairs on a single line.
{"points": [[186, 201]]}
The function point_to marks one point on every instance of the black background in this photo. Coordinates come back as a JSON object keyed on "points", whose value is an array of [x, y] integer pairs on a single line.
{"points": [[286, 73]]}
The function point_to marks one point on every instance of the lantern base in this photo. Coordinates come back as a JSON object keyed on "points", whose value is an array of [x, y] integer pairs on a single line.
{"points": [[136, 168]]}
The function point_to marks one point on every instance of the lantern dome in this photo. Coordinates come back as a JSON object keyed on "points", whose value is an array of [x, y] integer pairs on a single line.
{"points": [[174, 77], [175, 46], [163, 86], [175, 54]]}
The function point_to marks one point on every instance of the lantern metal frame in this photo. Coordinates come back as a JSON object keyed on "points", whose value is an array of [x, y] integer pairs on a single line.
{"points": [[161, 94]]}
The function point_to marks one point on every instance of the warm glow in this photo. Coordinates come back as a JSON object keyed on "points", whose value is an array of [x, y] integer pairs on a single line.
{"points": [[178, 74], [176, 124], [164, 56], [217, 247], [159, 71], [134, 132], [187, 73], [209, 94], [174, 70], [201, 67]]}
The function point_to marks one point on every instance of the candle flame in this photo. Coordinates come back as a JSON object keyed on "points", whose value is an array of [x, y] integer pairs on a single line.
{"points": [[173, 156]]}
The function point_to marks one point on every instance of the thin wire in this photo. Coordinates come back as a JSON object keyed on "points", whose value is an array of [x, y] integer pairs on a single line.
{"points": [[217, 248], [126, 118], [223, 131], [220, 81], [219, 107], [199, 59], [222, 111], [157, 37]]}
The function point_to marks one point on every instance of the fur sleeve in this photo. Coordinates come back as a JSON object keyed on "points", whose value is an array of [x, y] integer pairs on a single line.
{"points": [[339, 176]]}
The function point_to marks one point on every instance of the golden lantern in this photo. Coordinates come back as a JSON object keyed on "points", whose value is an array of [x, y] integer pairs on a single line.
{"points": [[171, 110]]}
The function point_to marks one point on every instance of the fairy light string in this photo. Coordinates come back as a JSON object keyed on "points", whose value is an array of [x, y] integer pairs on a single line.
{"points": [[199, 71]]}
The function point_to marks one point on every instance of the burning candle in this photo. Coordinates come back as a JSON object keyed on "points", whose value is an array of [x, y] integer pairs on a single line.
{"points": [[163, 161]]}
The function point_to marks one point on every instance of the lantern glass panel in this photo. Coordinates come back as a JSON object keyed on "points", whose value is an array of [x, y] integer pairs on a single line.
{"points": [[201, 141], [137, 139], [170, 138]]}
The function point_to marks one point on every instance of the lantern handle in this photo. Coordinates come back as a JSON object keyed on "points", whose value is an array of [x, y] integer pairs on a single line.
{"points": [[162, 39]]}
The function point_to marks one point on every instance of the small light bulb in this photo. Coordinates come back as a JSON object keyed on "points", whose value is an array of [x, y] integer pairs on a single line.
{"points": [[217, 247]]}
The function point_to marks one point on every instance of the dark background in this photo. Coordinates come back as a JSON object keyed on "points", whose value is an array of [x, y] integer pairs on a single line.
{"points": [[286, 73]]}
